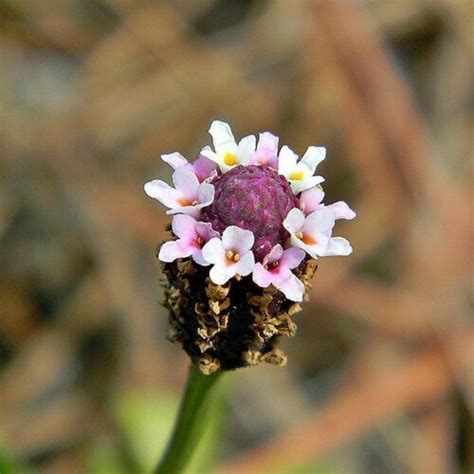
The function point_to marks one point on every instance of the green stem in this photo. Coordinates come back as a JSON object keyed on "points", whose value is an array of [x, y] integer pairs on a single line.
{"points": [[190, 422]]}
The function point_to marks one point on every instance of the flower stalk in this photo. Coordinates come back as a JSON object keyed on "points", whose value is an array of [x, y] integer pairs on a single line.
{"points": [[190, 422]]}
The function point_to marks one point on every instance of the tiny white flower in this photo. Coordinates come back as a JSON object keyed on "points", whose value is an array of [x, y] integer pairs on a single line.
{"points": [[202, 167], [300, 173], [267, 151], [192, 236], [227, 152], [189, 195], [276, 269], [313, 233], [230, 256], [312, 200]]}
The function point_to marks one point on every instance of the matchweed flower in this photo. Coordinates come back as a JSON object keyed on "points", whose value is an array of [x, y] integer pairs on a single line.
{"points": [[249, 225]]}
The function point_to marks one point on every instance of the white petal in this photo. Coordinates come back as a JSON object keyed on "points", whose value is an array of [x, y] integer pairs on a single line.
{"points": [[245, 265], [286, 160], [261, 276], [205, 194], [313, 156], [337, 246], [292, 288], [175, 160], [294, 221], [298, 186], [184, 226], [310, 250], [222, 137], [238, 240], [245, 149], [341, 210], [186, 181], [319, 221], [213, 252], [208, 153], [172, 250], [199, 258], [222, 273], [162, 192]]}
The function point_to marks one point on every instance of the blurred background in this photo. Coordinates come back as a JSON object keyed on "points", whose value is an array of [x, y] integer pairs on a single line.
{"points": [[380, 376]]}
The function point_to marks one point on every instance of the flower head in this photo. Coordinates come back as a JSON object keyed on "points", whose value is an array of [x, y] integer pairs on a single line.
{"points": [[249, 225]]}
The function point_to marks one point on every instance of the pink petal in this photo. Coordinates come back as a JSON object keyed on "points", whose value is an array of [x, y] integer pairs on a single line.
{"points": [[274, 255], [311, 199], [205, 231], [175, 160], [186, 182], [238, 240], [184, 226], [292, 257], [207, 152], [341, 210], [268, 143], [204, 167], [261, 276], [173, 250], [292, 288], [267, 151]]}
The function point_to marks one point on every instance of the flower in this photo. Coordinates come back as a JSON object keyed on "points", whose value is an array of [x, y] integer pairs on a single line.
{"points": [[313, 233], [255, 198], [192, 237], [228, 154], [267, 151], [202, 167], [300, 173], [311, 200], [276, 270], [231, 256], [249, 225], [189, 195]]}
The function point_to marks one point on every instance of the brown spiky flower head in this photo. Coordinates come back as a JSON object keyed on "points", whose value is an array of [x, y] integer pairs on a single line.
{"points": [[248, 226]]}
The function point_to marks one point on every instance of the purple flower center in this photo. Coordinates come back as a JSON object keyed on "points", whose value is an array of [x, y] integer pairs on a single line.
{"points": [[255, 198]]}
